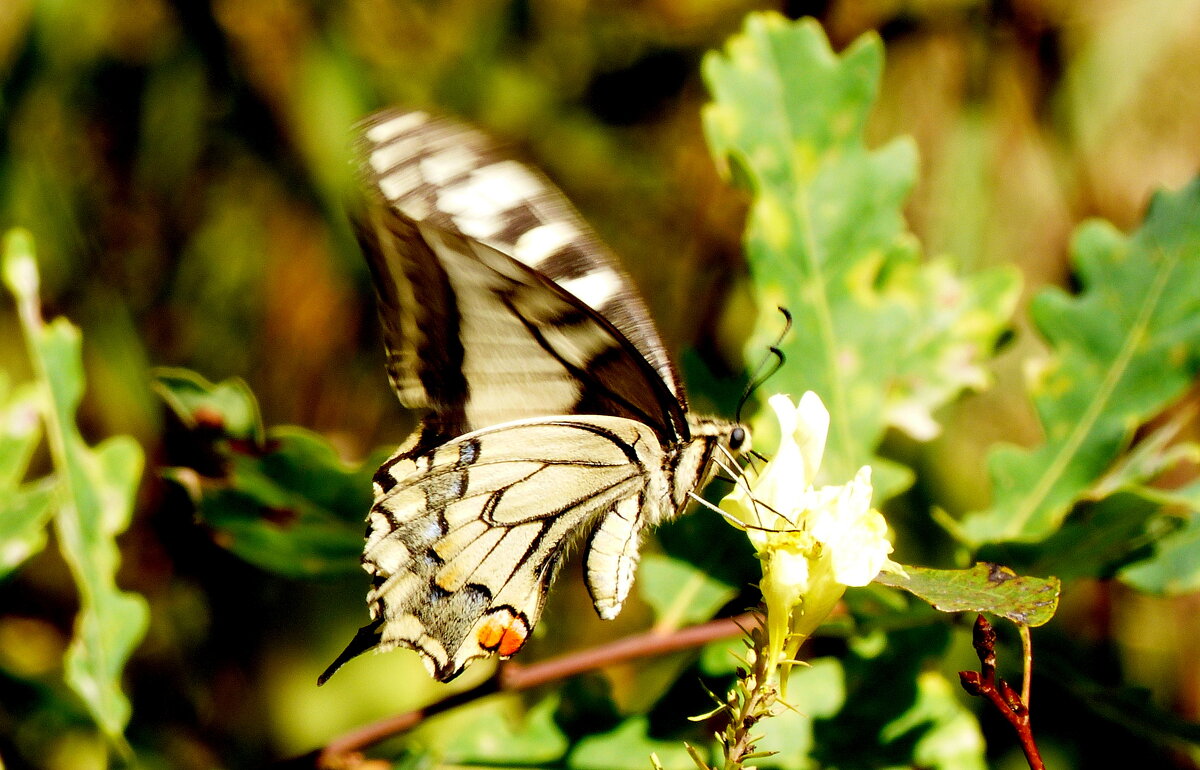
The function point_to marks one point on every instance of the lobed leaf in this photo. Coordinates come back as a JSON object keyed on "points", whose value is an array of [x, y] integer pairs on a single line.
{"points": [[1122, 349], [24, 514], [1157, 453], [983, 588], [94, 499], [883, 338], [20, 431]]}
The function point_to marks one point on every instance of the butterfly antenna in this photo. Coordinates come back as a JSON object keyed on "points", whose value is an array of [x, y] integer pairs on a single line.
{"points": [[771, 363]]}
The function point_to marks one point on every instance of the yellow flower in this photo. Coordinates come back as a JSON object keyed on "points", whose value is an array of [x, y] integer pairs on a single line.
{"points": [[812, 542]]}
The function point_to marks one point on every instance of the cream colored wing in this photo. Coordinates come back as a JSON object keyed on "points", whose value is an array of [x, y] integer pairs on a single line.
{"points": [[480, 339], [464, 541], [425, 173]]}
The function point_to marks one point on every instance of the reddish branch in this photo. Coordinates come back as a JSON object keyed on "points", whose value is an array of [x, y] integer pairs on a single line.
{"points": [[985, 684], [343, 752]]}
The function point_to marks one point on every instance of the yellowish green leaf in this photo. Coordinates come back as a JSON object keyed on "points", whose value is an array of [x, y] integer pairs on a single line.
{"points": [[882, 337], [94, 499], [1122, 349], [983, 588]]}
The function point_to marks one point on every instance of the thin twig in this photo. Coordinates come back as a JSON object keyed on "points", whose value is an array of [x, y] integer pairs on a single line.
{"points": [[998, 692], [515, 677], [1027, 657]]}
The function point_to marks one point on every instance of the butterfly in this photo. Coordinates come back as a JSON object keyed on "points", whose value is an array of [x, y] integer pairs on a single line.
{"points": [[553, 415]]}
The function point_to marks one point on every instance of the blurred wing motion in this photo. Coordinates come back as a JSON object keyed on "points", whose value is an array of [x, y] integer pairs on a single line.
{"points": [[553, 413]]}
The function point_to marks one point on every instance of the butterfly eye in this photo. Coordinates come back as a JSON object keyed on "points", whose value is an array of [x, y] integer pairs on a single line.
{"points": [[737, 437]]}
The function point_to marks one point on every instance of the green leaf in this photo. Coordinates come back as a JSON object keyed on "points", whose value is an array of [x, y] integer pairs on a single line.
{"points": [[1174, 567], [680, 593], [1157, 453], [299, 464], [883, 338], [20, 431], [501, 732], [228, 406], [24, 510], [983, 588], [1174, 570], [281, 499], [24, 514], [815, 691], [950, 737], [1122, 350], [95, 495], [293, 508], [628, 747], [1096, 541]]}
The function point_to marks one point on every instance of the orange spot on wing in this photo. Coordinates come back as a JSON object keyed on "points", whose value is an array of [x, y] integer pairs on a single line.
{"points": [[503, 632]]}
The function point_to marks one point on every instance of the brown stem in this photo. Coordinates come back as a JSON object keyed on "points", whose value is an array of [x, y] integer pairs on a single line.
{"points": [[515, 677], [998, 692]]}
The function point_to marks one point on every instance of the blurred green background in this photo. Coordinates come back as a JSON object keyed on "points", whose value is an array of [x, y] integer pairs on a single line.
{"points": [[182, 166]]}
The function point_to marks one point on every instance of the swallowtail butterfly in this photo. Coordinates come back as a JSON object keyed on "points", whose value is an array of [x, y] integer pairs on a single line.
{"points": [[553, 414]]}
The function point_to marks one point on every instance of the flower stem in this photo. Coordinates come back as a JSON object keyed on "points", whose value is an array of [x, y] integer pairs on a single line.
{"points": [[751, 701]]}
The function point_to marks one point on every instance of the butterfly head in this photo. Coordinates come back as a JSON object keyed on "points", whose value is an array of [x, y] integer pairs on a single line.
{"points": [[731, 437], [715, 444]]}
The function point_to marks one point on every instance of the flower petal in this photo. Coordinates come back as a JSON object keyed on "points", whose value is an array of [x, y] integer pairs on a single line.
{"points": [[818, 540], [812, 429]]}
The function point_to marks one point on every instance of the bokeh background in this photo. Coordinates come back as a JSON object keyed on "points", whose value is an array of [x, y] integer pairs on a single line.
{"points": [[182, 166]]}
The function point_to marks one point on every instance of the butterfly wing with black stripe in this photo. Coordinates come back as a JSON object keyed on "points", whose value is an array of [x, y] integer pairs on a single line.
{"points": [[495, 341], [464, 546], [439, 189]]}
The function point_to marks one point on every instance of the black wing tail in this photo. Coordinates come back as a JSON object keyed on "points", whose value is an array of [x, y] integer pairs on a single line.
{"points": [[366, 639]]}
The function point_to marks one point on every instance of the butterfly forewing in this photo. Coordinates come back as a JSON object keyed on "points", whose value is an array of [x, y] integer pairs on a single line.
{"points": [[521, 346], [440, 174]]}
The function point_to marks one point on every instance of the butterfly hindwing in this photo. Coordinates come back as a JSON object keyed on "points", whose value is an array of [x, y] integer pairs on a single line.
{"points": [[465, 540]]}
